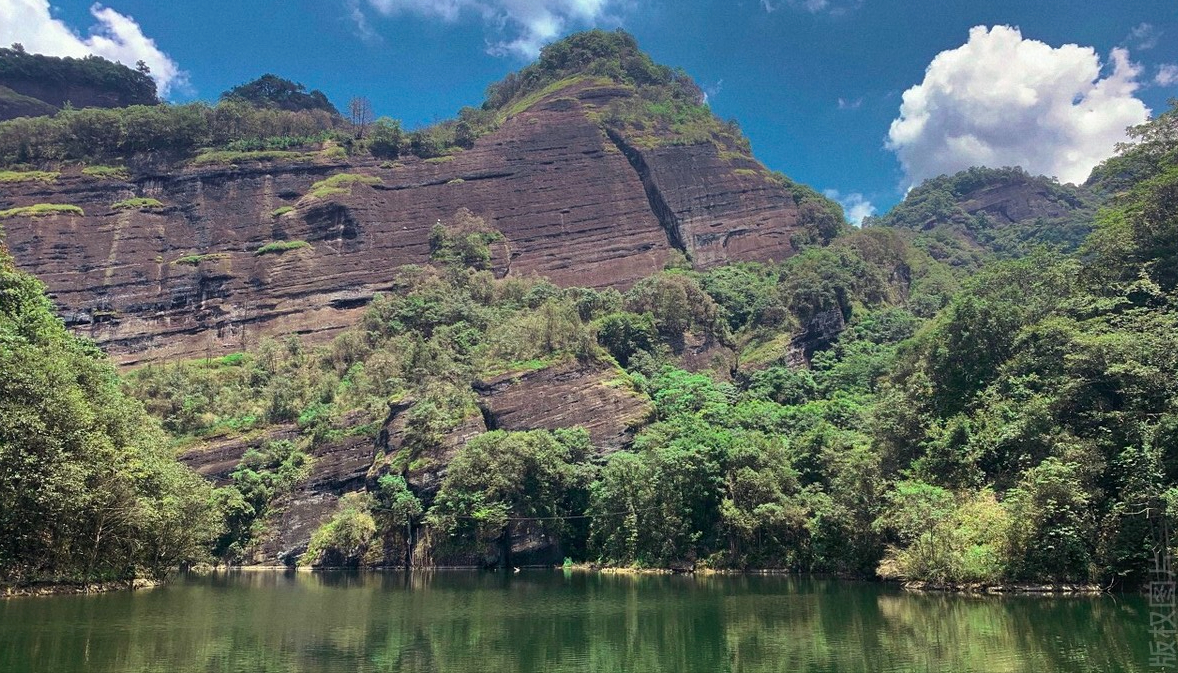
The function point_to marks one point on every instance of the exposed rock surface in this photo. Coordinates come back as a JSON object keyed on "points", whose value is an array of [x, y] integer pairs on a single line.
{"points": [[216, 458], [575, 205], [1018, 202], [564, 396], [13, 105], [983, 210]]}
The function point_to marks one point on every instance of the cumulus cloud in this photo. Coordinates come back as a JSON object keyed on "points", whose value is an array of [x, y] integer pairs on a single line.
{"points": [[1002, 100], [115, 36], [854, 205], [527, 24], [1167, 75]]}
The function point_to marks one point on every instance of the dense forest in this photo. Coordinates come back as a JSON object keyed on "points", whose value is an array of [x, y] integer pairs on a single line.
{"points": [[90, 486], [933, 397]]}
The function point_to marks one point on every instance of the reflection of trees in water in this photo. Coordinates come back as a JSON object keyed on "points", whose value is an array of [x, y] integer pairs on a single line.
{"points": [[1020, 633], [448, 621]]}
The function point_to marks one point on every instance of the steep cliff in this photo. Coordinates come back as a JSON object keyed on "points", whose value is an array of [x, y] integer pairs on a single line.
{"points": [[188, 275]]}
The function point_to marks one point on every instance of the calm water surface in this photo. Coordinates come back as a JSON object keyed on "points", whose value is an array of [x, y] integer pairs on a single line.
{"points": [[555, 621]]}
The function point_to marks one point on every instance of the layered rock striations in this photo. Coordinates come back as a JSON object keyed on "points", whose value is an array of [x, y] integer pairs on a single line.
{"points": [[578, 205]]}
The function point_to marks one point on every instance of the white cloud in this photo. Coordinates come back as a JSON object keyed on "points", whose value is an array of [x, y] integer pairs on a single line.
{"points": [[854, 205], [712, 90], [1144, 36], [1167, 75], [850, 103], [832, 7], [1002, 100], [363, 28], [115, 36], [527, 24]]}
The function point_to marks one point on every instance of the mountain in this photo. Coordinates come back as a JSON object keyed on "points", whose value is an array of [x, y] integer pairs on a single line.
{"points": [[596, 166], [579, 321], [1004, 212]]}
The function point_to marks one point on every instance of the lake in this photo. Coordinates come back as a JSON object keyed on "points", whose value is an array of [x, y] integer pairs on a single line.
{"points": [[553, 620]]}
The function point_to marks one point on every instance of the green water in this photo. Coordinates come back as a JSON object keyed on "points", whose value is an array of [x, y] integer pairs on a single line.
{"points": [[555, 621]]}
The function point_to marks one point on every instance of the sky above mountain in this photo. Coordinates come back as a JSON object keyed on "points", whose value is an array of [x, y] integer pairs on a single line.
{"points": [[858, 98]]}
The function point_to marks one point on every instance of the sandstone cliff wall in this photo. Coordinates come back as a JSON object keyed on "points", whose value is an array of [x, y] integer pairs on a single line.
{"points": [[576, 205]]}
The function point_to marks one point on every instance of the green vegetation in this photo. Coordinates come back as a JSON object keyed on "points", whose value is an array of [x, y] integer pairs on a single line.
{"points": [[936, 209], [271, 91], [279, 247], [227, 132], [280, 211], [91, 490], [46, 177], [230, 157], [263, 478], [41, 210], [93, 81], [340, 183], [501, 476], [466, 241], [137, 204], [107, 172], [196, 260]]}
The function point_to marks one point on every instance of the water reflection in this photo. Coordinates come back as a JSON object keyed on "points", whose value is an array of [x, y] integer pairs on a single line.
{"points": [[557, 621]]}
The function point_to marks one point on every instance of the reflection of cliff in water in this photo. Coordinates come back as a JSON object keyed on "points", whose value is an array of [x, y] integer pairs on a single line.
{"points": [[566, 621]]}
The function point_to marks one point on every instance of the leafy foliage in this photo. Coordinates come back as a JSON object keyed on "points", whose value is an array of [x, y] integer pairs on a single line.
{"points": [[279, 247], [46, 77], [42, 210], [272, 91], [957, 225], [91, 490], [137, 204]]}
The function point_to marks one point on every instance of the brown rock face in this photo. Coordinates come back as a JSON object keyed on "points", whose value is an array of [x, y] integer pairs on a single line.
{"points": [[1018, 202], [575, 205], [566, 396]]}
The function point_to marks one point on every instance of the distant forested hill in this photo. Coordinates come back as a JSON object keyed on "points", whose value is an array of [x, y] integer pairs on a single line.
{"points": [[1005, 212], [91, 81]]}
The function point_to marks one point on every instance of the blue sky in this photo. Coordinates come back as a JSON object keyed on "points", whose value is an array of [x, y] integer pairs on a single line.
{"points": [[816, 84]]}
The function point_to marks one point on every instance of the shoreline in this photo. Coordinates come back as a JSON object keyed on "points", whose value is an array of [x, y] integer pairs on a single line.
{"points": [[1017, 588], [69, 588], [915, 587]]}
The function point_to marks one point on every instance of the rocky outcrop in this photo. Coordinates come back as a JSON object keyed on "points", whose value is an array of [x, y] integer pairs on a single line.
{"points": [[590, 396], [744, 217], [184, 279], [424, 472], [13, 105], [1021, 201], [564, 395], [217, 458]]}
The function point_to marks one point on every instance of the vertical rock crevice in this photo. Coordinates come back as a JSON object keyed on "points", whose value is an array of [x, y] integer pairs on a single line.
{"points": [[658, 203]]}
